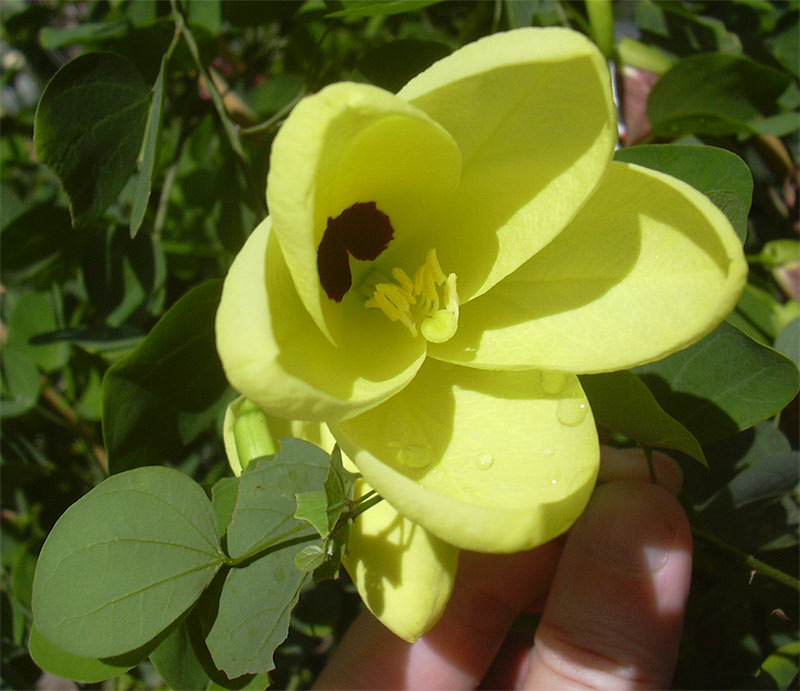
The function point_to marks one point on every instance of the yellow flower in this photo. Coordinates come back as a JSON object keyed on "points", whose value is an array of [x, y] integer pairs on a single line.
{"points": [[437, 267]]}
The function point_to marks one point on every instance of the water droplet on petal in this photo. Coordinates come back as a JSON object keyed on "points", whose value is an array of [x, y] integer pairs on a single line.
{"points": [[571, 411], [548, 451], [554, 481], [485, 461], [414, 456], [554, 382]]}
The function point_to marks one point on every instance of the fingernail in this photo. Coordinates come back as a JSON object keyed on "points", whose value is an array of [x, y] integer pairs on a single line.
{"points": [[629, 527]]}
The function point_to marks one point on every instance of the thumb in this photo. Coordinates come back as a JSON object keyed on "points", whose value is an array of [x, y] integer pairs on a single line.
{"points": [[614, 613]]}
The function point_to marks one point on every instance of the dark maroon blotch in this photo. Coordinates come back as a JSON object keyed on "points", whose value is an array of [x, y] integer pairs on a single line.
{"points": [[361, 230]]}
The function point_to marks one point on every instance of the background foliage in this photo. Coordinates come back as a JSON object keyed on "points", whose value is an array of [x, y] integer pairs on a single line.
{"points": [[102, 234]]}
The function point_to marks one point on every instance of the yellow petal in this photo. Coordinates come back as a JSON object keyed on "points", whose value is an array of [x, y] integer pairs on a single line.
{"points": [[403, 573], [648, 267], [353, 143], [533, 115], [274, 355], [487, 461]]}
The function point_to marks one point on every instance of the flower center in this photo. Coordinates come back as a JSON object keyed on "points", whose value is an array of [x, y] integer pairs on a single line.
{"points": [[429, 301]]}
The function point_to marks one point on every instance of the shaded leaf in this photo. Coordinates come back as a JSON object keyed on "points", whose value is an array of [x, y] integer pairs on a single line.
{"points": [[124, 562], [770, 478], [173, 374], [725, 383], [714, 94], [21, 382], [89, 128], [88, 670], [622, 403], [177, 663], [309, 558], [223, 498], [355, 9], [338, 488], [392, 64], [51, 37]]}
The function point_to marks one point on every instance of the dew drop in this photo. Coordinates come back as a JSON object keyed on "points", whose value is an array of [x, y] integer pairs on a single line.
{"points": [[414, 456], [548, 451], [485, 461], [571, 411], [554, 382], [554, 481]]}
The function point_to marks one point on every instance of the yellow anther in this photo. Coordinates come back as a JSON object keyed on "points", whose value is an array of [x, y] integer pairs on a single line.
{"points": [[429, 301]]}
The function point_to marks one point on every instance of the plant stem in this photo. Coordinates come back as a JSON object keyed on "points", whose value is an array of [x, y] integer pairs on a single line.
{"points": [[275, 119], [361, 508], [749, 560]]}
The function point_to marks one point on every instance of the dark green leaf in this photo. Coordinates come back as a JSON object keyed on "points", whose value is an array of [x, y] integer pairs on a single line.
{"points": [[94, 339], [21, 382], [88, 670], [172, 374], [254, 611], [89, 128], [392, 64], [265, 510], [355, 9], [714, 94], [780, 669], [56, 37], [725, 383], [177, 663], [622, 403], [770, 478], [144, 177], [722, 176], [788, 341], [33, 314], [124, 562]]}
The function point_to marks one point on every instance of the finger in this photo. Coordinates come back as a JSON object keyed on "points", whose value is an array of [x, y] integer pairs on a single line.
{"points": [[631, 464], [489, 593], [614, 613]]}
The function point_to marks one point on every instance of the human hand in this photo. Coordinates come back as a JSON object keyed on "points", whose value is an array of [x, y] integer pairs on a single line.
{"points": [[611, 593]]}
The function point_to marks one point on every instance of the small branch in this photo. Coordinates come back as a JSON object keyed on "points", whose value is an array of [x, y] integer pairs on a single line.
{"points": [[362, 507], [749, 560], [275, 119]]}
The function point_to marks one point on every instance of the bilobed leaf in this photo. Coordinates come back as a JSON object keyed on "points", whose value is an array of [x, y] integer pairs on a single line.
{"points": [[770, 478], [175, 660], [622, 403], [89, 127], [144, 177], [265, 509], [723, 384], [714, 94], [722, 176], [254, 611], [60, 663], [151, 393], [124, 562]]}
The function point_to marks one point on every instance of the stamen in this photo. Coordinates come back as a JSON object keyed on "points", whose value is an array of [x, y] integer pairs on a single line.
{"points": [[399, 300]]}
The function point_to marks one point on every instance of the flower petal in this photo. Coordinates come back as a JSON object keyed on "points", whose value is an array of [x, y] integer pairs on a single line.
{"points": [[403, 573], [347, 144], [487, 461], [274, 355], [648, 267], [533, 115]]}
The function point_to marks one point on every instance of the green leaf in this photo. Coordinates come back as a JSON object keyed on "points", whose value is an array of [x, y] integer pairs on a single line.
{"points": [[254, 612], [21, 382], [788, 341], [101, 339], [177, 663], [52, 38], [223, 498], [714, 94], [89, 127], [87, 670], [144, 177], [265, 510], [356, 9], [622, 403], [153, 392], [717, 173], [765, 312], [777, 253], [311, 507], [392, 64], [780, 669], [32, 314], [767, 479], [310, 557], [338, 488], [124, 562], [725, 383]]}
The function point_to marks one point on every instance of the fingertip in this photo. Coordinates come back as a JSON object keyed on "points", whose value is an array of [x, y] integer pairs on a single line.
{"points": [[632, 465]]}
